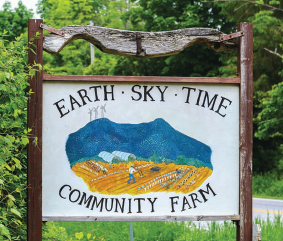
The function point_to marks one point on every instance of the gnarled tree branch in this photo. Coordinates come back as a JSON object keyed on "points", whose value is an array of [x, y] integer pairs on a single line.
{"points": [[122, 42], [272, 52]]}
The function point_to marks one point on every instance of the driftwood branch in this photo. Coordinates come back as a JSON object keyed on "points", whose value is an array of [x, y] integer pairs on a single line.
{"points": [[272, 52], [150, 44]]}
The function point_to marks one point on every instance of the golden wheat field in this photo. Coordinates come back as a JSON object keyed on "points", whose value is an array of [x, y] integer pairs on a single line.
{"points": [[113, 179]]}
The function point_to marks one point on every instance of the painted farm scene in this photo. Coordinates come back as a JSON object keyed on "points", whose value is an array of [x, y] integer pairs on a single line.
{"points": [[135, 159]]}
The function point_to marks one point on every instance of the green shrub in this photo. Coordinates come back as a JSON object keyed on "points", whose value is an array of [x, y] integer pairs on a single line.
{"points": [[14, 74], [52, 232], [267, 185]]}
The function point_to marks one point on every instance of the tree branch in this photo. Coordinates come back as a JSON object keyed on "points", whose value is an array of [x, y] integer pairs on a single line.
{"points": [[270, 51], [248, 1]]}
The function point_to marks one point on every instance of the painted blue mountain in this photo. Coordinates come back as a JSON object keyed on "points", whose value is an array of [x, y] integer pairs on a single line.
{"points": [[140, 139]]}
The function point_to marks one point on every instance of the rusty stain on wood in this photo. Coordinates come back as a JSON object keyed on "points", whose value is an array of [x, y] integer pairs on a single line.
{"points": [[52, 30], [231, 36], [154, 44]]}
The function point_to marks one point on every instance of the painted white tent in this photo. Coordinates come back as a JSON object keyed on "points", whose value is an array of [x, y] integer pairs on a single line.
{"points": [[107, 156], [124, 155]]}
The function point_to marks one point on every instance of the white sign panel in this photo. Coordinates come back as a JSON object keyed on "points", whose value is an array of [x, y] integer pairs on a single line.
{"points": [[140, 150]]}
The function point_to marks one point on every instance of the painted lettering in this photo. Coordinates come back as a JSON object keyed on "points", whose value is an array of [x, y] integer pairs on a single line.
{"points": [[60, 108], [188, 93], [162, 92], [95, 92], [221, 105]]}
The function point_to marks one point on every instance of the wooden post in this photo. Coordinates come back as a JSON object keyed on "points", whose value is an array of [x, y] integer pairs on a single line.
{"points": [[245, 70], [34, 220], [256, 232]]}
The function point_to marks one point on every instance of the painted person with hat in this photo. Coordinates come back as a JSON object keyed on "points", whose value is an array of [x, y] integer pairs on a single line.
{"points": [[131, 173]]}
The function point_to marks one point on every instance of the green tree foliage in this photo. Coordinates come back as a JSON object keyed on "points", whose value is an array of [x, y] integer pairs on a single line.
{"points": [[169, 15], [270, 123], [267, 19], [103, 64], [75, 57], [14, 74], [59, 13], [14, 20]]}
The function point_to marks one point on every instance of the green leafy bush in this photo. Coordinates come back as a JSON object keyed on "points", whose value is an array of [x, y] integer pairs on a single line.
{"points": [[52, 232], [14, 74], [267, 185]]}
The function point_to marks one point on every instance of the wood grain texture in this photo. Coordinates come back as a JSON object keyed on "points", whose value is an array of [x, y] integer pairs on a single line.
{"points": [[245, 65], [123, 42], [34, 221], [140, 79]]}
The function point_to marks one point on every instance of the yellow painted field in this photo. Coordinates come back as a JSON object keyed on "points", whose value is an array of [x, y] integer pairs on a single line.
{"points": [[107, 178]]}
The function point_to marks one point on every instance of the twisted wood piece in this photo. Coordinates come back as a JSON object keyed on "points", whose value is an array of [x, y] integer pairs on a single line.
{"points": [[150, 44]]}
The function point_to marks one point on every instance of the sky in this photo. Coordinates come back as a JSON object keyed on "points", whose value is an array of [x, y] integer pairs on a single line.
{"points": [[30, 4]]}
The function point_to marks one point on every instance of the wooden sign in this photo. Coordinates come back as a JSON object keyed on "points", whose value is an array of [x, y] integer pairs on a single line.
{"points": [[116, 151], [112, 148]]}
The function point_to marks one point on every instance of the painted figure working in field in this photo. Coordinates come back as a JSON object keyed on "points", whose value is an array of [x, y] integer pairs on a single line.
{"points": [[90, 113], [95, 112], [102, 107], [131, 174]]}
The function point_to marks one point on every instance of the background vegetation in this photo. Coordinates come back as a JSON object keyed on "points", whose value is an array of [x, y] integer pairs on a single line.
{"points": [[144, 15], [159, 231]]}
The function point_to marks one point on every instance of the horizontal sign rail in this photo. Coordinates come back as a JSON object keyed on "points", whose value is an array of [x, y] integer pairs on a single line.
{"points": [[123, 218], [145, 79]]}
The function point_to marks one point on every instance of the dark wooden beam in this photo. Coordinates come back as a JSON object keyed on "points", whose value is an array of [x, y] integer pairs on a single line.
{"points": [[34, 221], [245, 69], [145, 79]]}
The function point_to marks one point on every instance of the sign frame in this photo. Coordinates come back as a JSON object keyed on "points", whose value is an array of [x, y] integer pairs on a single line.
{"points": [[244, 80]]}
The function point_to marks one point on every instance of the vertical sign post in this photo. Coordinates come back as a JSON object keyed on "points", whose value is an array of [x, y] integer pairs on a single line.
{"points": [[35, 124], [245, 70]]}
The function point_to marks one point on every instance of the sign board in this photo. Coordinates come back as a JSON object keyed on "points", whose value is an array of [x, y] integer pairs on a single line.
{"points": [[107, 148], [180, 142]]}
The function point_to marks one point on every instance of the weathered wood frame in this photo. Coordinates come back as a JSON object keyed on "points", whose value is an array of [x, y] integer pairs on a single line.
{"points": [[244, 80]]}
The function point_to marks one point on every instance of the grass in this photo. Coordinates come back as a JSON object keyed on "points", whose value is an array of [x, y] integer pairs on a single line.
{"points": [[158, 231], [148, 231]]}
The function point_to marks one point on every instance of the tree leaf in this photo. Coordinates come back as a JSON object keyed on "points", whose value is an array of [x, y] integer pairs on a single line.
{"points": [[79, 236], [4, 231], [16, 212]]}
